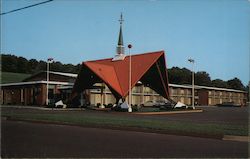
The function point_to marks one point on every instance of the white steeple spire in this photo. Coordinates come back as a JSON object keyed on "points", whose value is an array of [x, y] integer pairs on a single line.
{"points": [[120, 48]]}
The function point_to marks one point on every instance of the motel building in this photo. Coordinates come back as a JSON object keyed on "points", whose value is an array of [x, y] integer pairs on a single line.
{"points": [[33, 91], [106, 81]]}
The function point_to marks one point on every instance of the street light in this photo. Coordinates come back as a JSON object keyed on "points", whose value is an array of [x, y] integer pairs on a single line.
{"points": [[49, 60], [130, 77], [192, 61]]}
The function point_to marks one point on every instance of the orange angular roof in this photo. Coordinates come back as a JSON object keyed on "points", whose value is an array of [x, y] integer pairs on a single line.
{"points": [[115, 74], [106, 73]]}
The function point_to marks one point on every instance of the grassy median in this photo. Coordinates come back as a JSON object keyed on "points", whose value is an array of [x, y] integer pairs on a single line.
{"points": [[128, 122]]}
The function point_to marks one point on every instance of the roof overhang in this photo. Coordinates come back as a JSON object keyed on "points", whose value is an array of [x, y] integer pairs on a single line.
{"points": [[37, 82], [148, 68]]}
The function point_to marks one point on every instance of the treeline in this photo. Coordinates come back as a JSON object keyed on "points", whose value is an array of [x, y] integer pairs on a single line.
{"points": [[12, 63], [176, 75]]}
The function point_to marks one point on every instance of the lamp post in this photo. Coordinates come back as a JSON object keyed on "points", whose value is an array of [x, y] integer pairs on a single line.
{"points": [[192, 61], [49, 60], [130, 77]]}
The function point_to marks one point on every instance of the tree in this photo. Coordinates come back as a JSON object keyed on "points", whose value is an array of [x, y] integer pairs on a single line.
{"points": [[69, 68], [235, 84], [77, 68], [12, 63], [9, 63], [42, 66], [178, 75], [57, 66], [202, 78], [22, 65], [33, 66], [219, 83]]}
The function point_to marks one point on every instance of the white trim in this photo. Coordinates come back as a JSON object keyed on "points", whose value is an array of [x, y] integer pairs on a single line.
{"points": [[219, 89], [180, 86], [65, 87], [36, 82], [133, 93], [206, 87], [64, 74]]}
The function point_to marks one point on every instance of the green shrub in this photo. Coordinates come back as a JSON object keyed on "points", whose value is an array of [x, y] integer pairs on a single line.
{"points": [[110, 105], [98, 105]]}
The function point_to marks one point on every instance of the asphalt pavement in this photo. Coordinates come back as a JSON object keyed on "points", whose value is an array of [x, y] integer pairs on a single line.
{"points": [[37, 140]]}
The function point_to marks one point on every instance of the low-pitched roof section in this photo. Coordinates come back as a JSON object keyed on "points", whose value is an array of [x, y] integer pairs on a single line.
{"points": [[54, 76], [149, 68]]}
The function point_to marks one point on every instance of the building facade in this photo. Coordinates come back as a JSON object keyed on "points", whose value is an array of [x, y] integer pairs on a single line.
{"points": [[179, 93], [33, 91]]}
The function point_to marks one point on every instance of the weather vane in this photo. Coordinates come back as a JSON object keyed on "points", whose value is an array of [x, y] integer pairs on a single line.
{"points": [[121, 19]]}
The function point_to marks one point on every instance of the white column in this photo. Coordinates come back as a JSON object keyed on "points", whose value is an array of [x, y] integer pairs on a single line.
{"points": [[142, 93], [102, 106]]}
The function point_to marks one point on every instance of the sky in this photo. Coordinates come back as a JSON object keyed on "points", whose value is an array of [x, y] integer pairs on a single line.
{"points": [[215, 33]]}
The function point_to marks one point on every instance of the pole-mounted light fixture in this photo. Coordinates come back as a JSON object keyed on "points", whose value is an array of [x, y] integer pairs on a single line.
{"points": [[130, 77], [49, 60], [192, 61]]}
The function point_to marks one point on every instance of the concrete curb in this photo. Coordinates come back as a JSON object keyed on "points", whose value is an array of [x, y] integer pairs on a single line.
{"points": [[101, 109], [236, 138], [172, 112]]}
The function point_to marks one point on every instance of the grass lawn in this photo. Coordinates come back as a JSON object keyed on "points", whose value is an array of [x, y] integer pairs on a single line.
{"points": [[116, 121], [10, 77]]}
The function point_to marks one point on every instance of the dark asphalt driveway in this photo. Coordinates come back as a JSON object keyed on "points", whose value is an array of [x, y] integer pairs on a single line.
{"points": [[24, 139]]}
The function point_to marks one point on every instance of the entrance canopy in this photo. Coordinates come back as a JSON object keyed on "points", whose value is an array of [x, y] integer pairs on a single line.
{"points": [[148, 68]]}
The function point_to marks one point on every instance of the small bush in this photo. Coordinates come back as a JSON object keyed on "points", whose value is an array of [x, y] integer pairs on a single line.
{"points": [[50, 105], [98, 105], [110, 105], [135, 108], [71, 106], [119, 109], [165, 108], [59, 106]]}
